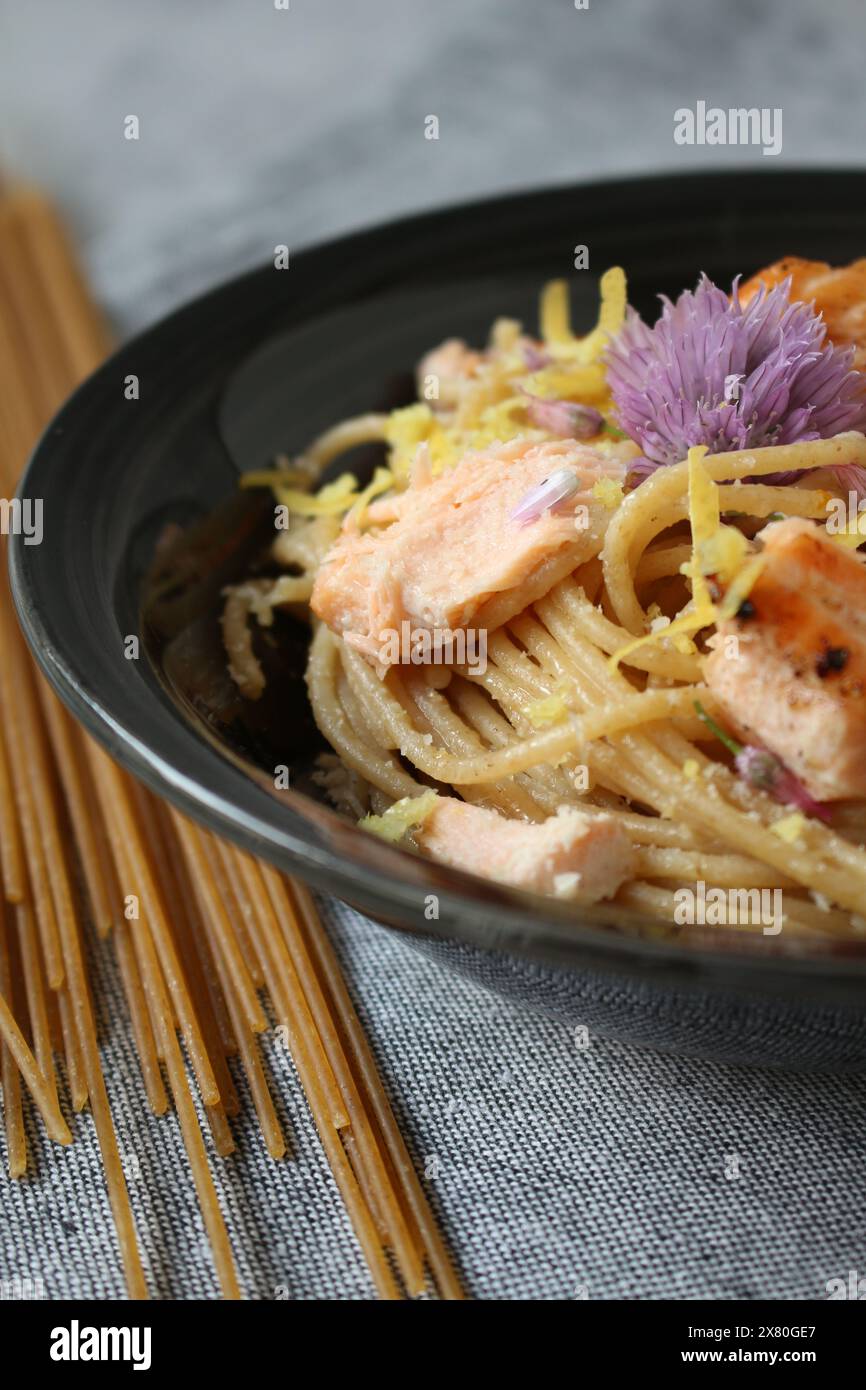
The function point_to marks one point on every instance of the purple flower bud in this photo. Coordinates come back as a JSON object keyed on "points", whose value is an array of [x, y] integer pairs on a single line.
{"points": [[548, 496], [564, 418], [761, 769], [534, 357]]}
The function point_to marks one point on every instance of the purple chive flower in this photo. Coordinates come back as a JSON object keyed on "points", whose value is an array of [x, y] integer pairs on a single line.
{"points": [[549, 495], [565, 418], [760, 768], [712, 371]]}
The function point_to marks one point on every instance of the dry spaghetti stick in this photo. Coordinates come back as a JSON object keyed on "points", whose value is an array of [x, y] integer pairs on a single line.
{"points": [[331, 975], [29, 299], [233, 916], [36, 769], [291, 1003], [71, 1051], [188, 933], [31, 794], [129, 849], [84, 812], [19, 416], [54, 1022], [372, 1173], [34, 984], [15, 1042], [167, 1044], [239, 908], [192, 939], [191, 943], [302, 1042], [63, 955], [140, 1018], [11, 852], [16, 1140], [252, 1064], [200, 872], [289, 998], [118, 1195]]}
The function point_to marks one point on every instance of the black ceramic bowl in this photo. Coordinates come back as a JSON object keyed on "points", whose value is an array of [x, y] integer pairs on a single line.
{"points": [[259, 366]]}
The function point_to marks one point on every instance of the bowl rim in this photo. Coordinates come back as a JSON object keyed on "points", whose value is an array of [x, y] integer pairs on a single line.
{"points": [[524, 923]]}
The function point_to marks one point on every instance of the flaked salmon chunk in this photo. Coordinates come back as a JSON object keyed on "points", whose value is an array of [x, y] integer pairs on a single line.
{"points": [[449, 555], [795, 681], [571, 855]]}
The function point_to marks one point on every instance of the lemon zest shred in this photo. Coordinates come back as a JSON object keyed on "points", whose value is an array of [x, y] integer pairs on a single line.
{"points": [[405, 814], [688, 623], [561, 381], [381, 481], [554, 314], [330, 500], [724, 553], [611, 315], [555, 317], [741, 586], [271, 477]]}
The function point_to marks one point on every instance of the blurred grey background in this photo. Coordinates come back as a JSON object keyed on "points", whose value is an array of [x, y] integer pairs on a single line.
{"points": [[261, 126]]}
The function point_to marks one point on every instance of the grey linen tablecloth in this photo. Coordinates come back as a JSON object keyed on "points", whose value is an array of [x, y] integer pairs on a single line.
{"points": [[557, 1171]]}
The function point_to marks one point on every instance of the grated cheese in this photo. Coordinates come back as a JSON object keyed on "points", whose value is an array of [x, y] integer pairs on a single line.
{"points": [[550, 707], [789, 828], [608, 492]]}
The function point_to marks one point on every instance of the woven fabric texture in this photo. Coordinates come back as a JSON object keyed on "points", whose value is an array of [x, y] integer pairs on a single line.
{"points": [[561, 1165]]}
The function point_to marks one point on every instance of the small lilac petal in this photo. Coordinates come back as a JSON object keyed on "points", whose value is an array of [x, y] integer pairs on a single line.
{"points": [[547, 496], [639, 470], [565, 418], [853, 478], [762, 769], [534, 358]]}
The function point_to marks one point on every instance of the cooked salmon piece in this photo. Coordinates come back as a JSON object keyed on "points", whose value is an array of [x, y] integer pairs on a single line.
{"points": [[839, 293], [798, 684], [452, 364], [570, 855], [449, 554]]}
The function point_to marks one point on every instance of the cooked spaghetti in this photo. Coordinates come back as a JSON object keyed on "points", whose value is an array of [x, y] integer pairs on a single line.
{"points": [[596, 629]]}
